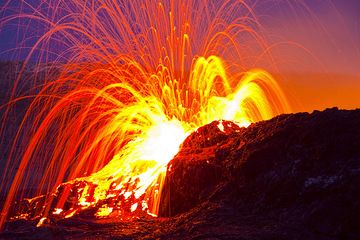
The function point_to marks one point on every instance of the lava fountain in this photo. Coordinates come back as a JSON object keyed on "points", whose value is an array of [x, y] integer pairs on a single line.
{"points": [[133, 80]]}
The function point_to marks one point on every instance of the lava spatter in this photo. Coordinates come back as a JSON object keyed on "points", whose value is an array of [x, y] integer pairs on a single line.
{"points": [[137, 79]]}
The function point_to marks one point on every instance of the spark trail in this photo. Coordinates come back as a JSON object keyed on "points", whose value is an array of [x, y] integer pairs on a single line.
{"points": [[135, 79]]}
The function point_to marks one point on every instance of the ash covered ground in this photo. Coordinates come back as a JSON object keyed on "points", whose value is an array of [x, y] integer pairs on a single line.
{"points": [[296, 176]]}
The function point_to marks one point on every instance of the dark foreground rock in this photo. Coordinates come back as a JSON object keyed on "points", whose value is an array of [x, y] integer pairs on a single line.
{"points": [[295, 176]]}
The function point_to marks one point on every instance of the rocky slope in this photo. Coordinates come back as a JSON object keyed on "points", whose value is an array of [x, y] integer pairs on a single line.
{"points": [[295, 176]]}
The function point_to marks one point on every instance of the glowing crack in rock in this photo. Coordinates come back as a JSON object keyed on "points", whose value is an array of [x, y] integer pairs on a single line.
{"points": [[221, 126]]}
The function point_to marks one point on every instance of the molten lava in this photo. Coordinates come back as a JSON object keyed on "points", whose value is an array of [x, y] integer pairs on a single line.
{"points": [[140, 77]]}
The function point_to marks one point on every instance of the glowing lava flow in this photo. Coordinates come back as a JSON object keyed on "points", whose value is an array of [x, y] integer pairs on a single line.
{"points": [[140, 77]]}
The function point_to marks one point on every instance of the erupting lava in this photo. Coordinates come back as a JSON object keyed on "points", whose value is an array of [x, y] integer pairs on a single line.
{"points": [[138, 77]]}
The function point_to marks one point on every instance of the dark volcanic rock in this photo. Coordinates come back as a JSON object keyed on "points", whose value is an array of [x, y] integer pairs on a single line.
{"points": [[301, 171], [295, 176], [200, 163]]}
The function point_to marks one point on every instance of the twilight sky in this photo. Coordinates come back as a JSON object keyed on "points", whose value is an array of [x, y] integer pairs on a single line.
{"points": [[318, 37], [328, 29], [319, 60]]}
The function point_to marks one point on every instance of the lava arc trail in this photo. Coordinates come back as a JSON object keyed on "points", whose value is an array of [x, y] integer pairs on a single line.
{"points": [[133, 79]]}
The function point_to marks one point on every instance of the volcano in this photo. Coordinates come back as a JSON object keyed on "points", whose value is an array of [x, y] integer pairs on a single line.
{"points": [[296, 176]]}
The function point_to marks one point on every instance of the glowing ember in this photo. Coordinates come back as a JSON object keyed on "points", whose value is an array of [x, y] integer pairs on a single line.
{"points": [[140, 78], [57, 211], [104, 211], [41, 222]]}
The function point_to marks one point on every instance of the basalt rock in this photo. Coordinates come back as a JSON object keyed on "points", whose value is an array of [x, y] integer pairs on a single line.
{"points": [[199, 167], [300, 171]]}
